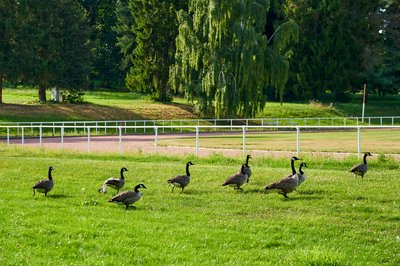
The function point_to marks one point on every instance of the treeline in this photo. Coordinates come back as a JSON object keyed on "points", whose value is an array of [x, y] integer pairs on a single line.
{"points": [[228, 56]]}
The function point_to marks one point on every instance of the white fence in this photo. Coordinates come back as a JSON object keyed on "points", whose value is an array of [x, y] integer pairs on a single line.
{"points": [[195, 129], [307, 121]]}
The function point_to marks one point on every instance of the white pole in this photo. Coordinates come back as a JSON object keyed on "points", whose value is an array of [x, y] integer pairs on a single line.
{"points": [[298, 140], [197, 141], [88, 138], [120, 140], [244, 139], [363, 105], [358, 142], [8, 136], [155, 138], [105, 127], [22, 139]]}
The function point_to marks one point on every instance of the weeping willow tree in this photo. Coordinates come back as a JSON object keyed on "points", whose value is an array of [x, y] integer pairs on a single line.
{"points": [[223, 61]]}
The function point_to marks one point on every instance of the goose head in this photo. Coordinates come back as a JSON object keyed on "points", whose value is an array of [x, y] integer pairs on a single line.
{"points": [[189, 163], [124, 169], [294, 158]]}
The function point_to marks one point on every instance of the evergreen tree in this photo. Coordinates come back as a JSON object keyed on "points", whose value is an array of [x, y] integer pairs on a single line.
{"points": [[224, 61], [106, 54], [335, 37], [154, 29], [52, 45], [9, 17]]}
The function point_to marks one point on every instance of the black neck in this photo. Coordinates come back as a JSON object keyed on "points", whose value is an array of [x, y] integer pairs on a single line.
{"points": [[247, 161], [49, 174], [365, 159], [136, 189], [293, 169], [301, 170], [187, 169], [122, 173]]}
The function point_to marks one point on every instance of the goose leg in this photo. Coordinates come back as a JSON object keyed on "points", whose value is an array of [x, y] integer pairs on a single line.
{"points": [[34, 192], [172, 189]]}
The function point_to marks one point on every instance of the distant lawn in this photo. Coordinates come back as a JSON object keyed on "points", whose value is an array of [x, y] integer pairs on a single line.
{"points": [[375, 141], [21, 105], [332, 219]]}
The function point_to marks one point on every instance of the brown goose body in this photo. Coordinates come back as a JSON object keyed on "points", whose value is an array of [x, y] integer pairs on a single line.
{"points": [[181, 181], [362, 168], [287, 184], [115, 183], [128, 197], [45, 185], [237, 180]]}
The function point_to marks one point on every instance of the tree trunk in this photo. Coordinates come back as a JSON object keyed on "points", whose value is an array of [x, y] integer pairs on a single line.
{"points": [[42, 93], [1, 87]]}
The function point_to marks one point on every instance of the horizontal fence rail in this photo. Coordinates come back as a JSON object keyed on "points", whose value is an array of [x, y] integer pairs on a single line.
{"points": [[306, 121], [20, 132]]}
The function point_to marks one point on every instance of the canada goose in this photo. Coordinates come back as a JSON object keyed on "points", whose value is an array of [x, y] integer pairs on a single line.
{"points": [[45, 185], [362, 168], [301, 174], [247, 169], [128, 197], [181, 180], [286, 184], [115, 183], [237, 180]]}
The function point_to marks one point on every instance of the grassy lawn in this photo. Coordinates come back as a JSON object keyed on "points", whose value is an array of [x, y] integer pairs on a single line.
{"points": [[375, 141], [21, 105], [333, 218]]}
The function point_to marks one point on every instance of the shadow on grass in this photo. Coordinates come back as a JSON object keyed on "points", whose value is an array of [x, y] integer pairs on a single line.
{"points": [[58, 196]]}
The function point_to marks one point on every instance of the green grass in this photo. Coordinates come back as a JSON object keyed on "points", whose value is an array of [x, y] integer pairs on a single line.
{"points": [[333, 219], [21, 105], [375, 141]]}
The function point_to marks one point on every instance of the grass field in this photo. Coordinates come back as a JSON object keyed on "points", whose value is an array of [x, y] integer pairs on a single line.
{"points": [[21, 105], [375, 141], [333, 218]]}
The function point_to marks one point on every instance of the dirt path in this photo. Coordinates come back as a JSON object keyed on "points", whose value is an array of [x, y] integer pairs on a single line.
{"points": [[145, 144]]}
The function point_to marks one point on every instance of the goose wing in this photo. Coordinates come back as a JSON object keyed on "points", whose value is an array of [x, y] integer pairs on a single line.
{"points": [[113, 181], [182, 180], [123, 196], [358, 167], [237, 179], [289, 181], [44, 184]]}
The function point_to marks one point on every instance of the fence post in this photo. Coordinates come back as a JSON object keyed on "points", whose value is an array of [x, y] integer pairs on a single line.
{"points": [[244, 140], [40, 135], [105, 127], [358, 142], [88, 137], [22, 138], [120, 139], [31, 129], [155, 139], [181, 125], [197, 140], [144, 126], [54, 129], [8, 136], [231, 124], [298, 140], [392, 120]]}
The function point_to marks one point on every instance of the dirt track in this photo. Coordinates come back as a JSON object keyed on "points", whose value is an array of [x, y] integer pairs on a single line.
{"points": [[145, 144]]}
